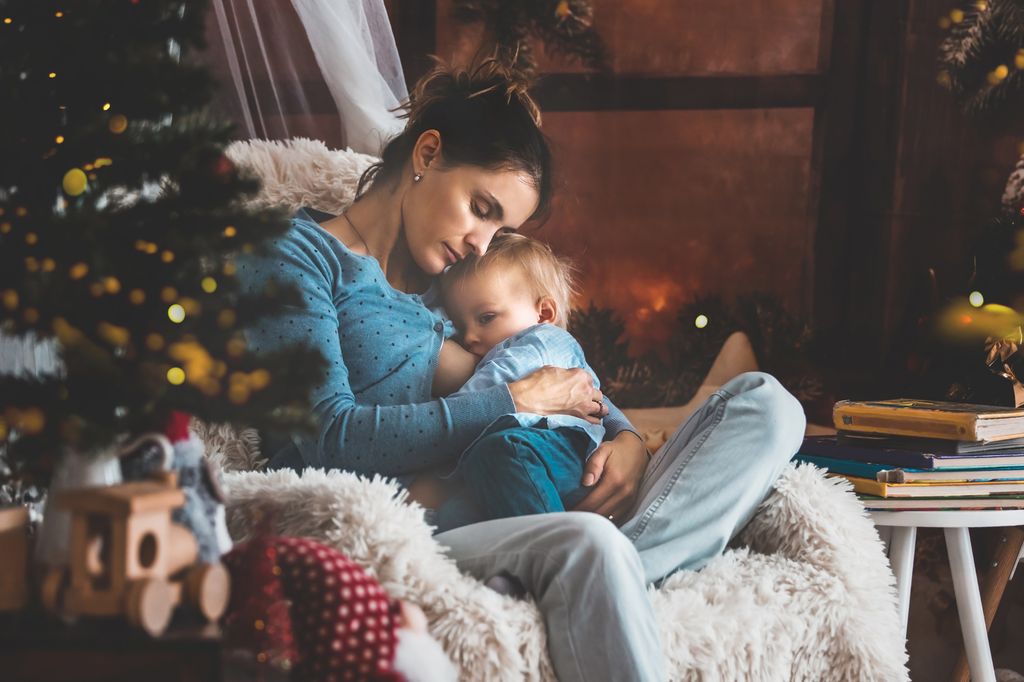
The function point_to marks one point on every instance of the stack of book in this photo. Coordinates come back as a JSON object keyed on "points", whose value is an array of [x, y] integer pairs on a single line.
{"points": [[925, 455]]}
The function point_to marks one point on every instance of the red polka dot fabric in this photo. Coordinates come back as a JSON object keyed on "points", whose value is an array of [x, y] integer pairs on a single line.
{"points": [[343, 622]]}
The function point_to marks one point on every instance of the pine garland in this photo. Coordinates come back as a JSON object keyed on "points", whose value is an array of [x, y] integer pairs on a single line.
{"points": [[782, 343], [564, 26], [120, 219], [983, 57]]}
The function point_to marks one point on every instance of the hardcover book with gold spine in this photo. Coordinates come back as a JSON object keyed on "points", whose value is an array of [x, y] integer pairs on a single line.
{"points": [[930, 419]]}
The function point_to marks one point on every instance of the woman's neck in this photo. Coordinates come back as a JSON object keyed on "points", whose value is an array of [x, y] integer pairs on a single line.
{"points": [[375, 223]]}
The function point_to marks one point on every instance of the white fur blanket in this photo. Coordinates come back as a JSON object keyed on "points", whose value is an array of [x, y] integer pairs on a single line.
{"points": [[806, 595]]}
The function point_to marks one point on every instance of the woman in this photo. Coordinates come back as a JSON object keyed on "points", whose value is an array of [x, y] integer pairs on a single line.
{"points": [[471, 162]]}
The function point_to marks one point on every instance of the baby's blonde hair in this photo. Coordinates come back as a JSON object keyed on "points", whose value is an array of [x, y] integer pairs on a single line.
{"points": [[546, 273]]}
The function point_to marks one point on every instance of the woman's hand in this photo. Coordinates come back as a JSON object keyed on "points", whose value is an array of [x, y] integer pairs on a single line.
{"points": [[617, 467], [554, 390]]}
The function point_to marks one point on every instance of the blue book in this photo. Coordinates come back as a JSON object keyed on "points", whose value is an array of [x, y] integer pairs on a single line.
{"points": [[828, 446], [885, 473]]}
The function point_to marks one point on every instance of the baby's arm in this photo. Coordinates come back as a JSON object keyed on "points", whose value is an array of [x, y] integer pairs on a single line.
{"points": [[455, 366]]}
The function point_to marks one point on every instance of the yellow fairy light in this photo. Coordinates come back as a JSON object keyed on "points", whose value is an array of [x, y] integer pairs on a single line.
{"points": [[190, 305], [78, 270], [167, 256], [176, 313], [154, 342], [137, 296], [238, 393], [10, 299], [226, 319], [58, 14], [112, 285], [52, 74], [229, 268], [87, 167], [7, 20], [1018, 60], [236, 347], [981, 5], [21, 211], [259, 379], [945, 23], [701, 321], [31, 315], [31, 238], [74, 182], [102, 162], [209, 285], [59, 139], [176, 376], [29, 421], [151, 248], [140, 245], [956, 16], [113, 334], [259, 624], [1001, 72], [976, 299], [106, 106], [32, 264], [168, 294], [5, 227], [230, 231], [118, 124], [49, 265], [96, 289]]}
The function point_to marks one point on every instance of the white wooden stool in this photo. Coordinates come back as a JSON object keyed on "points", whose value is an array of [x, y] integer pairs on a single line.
{"points": [[955, 525]]}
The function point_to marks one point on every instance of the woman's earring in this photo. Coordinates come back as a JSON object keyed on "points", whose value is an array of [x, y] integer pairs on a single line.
{"points": [[417, 177]]}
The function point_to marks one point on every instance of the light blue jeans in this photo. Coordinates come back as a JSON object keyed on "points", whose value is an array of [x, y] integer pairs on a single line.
{"points": [[589, 578]]}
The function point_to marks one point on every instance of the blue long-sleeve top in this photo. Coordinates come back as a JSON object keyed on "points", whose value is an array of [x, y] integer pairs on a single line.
{"points": [[374, 409]]}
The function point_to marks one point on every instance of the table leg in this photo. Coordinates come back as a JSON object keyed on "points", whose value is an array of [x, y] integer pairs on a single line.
{"points": [[901, 557], [968, 604]]}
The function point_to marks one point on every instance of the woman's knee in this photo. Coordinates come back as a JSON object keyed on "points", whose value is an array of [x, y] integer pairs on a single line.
{"points": [[595, 542], [782, 415]]}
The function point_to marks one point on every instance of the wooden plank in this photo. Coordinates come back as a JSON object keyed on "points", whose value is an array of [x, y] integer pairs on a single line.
{"points": [[614, 92]]}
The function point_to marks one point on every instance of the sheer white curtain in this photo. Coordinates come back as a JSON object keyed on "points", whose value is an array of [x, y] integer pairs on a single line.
{"points": [[291, 66]]}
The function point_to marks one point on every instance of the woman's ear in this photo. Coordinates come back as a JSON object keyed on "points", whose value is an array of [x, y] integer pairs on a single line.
{"points": [[547, 310], [427, 151]]}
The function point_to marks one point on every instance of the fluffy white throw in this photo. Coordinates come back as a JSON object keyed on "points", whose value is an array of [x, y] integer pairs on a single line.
{"points": [[806, 594]]}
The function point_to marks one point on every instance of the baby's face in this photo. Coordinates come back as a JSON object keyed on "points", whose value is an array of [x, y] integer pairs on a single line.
{"points": [[489, 306]]}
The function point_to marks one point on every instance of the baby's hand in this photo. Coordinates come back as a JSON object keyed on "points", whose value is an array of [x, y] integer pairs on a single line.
{"points": [[412, 617]]}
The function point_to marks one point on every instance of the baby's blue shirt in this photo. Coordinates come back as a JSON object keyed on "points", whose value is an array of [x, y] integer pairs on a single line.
{"points": [[525, 352]]}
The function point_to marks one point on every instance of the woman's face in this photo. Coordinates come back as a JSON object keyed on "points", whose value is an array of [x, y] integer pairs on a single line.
{"points": [[455, 211]]}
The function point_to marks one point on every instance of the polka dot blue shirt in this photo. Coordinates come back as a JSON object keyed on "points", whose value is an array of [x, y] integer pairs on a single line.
{"points": [[374, 409]]}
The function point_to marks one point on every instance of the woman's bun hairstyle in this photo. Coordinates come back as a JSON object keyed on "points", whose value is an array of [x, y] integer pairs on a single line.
{"points": [[485, 118]]}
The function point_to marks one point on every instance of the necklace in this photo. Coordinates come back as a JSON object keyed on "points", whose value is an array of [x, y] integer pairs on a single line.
{"points": [[358, 234]]}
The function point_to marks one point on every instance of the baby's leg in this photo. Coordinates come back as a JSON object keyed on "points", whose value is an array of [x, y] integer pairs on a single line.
{"points": [[523, 470]]}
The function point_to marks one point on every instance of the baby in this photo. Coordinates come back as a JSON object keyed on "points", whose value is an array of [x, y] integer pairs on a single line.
{"points": [[511, 307]]}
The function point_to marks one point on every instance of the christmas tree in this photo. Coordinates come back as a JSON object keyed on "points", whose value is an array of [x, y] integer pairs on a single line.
{"points": [[119, 220]]}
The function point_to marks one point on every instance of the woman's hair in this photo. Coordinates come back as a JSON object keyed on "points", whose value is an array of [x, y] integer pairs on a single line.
{"points": [[485, 118], [545, 273]]}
